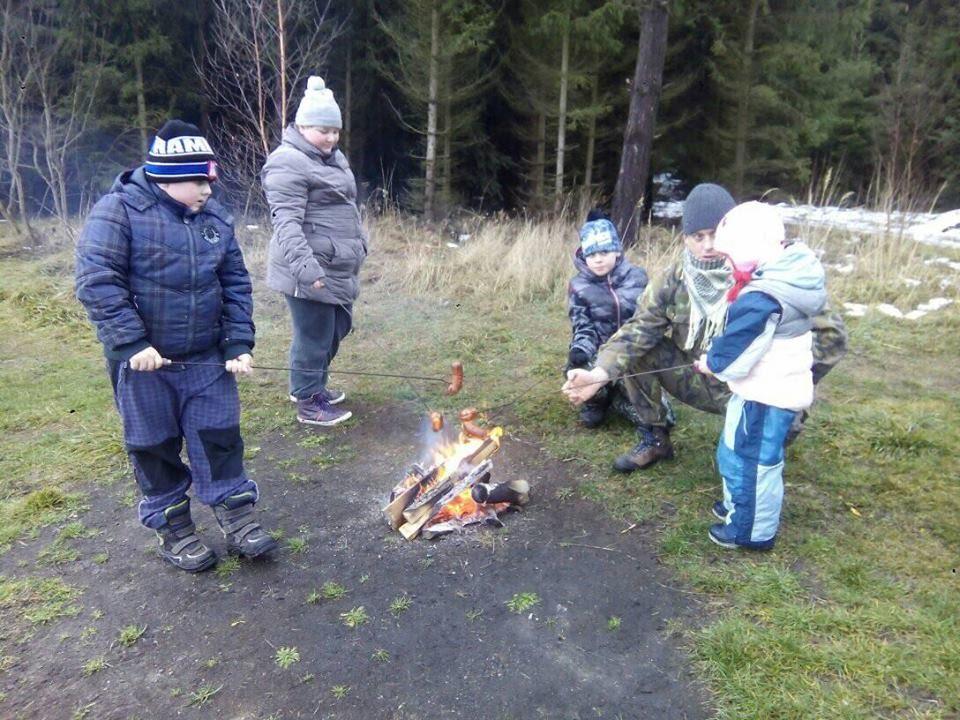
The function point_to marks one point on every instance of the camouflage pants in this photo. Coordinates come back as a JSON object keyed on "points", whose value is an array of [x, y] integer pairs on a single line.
{"points": [[685, 384]]}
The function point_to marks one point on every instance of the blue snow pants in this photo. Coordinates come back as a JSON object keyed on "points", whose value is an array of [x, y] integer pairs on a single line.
{"points": [[750, 459], [162, 409]]}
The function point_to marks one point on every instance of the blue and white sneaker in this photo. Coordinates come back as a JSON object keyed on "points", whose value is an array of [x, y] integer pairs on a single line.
{"points": [[719, 510], [725, 535]]}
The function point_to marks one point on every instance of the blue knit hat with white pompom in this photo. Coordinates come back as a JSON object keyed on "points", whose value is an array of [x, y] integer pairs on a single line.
{"points": [[318, 108]]}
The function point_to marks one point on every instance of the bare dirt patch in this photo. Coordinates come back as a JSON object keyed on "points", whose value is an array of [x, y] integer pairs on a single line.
{"points": [[595, 644]]}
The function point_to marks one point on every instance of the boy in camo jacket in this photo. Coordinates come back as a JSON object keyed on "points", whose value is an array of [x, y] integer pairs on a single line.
{"points": [[680, 313]]}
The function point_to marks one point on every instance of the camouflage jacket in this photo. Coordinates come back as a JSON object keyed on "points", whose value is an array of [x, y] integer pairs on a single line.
{"points": [[663, 314]]}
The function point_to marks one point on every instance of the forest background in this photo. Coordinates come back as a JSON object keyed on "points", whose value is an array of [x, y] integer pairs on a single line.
{"points": [[489, 104]]}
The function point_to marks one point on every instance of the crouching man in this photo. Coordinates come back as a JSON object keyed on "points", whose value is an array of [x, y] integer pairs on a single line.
{"points": [[677, 318]]}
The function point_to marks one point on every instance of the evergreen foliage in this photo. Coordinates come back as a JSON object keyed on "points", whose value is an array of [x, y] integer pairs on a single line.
{"points": [[529, 98]]}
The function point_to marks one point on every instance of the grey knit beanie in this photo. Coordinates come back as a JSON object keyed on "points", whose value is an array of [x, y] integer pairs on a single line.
{"points": [[318, 108], [704, 207]]}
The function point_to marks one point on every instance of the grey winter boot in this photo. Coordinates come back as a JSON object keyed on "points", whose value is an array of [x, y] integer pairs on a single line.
{"points": [[244, 534], [179, 544]]}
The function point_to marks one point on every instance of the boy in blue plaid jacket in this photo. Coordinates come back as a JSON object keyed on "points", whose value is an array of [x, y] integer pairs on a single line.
{"points": [[164, 283]]}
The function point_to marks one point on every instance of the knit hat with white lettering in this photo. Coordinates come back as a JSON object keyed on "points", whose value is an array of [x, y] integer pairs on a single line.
{"points": [[180, 153]]}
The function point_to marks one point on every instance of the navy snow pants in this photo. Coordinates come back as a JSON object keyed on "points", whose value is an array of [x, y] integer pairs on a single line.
{"points": [[160, 410]]}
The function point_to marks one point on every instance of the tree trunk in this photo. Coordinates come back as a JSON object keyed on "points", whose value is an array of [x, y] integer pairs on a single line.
{"points": [[540, 166], [282, 37], [430, 180], [141, 103], [562, 113], [743, 101], [638, 133], [348, 99], [447, 168], [591, 134]]}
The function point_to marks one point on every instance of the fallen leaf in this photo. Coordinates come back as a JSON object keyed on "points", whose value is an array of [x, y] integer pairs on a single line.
{"points": [[855, 511]]}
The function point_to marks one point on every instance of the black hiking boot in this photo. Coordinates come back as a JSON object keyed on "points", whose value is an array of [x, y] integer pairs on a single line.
{"points": [[179, 544], [653, 447], [243, 534]]}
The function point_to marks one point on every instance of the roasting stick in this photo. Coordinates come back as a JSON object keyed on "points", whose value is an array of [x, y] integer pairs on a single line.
{"points": [[540, 381], [453, 383]]}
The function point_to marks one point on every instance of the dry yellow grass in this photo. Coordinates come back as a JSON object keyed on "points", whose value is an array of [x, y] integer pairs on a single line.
{"points": [[506, 260]]}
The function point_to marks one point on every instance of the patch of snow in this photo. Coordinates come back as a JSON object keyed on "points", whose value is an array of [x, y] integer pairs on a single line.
{"points": [[889, 310], [915, 314], [855, 309], [453, 245], [935, 304], [463, 237], [845, 269], [943, 261], [253, 227], [911, 282], [941, 229], [668, 209]]}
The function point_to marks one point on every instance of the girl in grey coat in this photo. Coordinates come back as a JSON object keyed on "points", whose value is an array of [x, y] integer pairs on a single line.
{"points": [[317, 248]]}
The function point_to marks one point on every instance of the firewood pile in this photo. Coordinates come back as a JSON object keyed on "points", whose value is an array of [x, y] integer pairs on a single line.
{"points": [[455, 489]]}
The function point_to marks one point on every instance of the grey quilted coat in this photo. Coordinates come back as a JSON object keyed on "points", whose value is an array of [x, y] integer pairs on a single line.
{"points": [[317, 233]]}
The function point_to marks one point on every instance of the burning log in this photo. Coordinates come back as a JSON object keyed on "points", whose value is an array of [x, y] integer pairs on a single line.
{"points": [[427, 506], [515, 492], [440, 499], [416, 479]]}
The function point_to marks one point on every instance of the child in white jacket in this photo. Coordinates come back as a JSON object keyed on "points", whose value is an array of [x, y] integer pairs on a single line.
{"points": [[765, 356]]}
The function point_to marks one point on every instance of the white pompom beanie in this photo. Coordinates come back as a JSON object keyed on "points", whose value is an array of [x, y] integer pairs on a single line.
{"points": [[318, 108], [750, 234]]}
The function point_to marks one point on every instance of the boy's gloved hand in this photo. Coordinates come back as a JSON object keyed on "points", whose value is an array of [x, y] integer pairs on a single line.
{"points": [[577, 358], [147, 360]]}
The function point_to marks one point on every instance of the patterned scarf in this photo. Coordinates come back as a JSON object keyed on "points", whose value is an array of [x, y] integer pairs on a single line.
{"points": [[707, 282]]}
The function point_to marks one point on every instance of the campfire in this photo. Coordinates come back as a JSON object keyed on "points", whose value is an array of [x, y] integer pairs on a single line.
{"points": [[453, 488]]}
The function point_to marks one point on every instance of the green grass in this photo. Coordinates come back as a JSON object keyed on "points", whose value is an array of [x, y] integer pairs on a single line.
{"points": [[202, 695], [37, 601], [855, 614], [332, 590], [129, 634], [355, 617], [286, 656], [400, 605], [95, 665], [521, 602]]}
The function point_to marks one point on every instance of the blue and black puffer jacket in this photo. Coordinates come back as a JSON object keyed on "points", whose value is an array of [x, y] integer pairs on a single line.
{"points": [[598, 306], [149, 272]]}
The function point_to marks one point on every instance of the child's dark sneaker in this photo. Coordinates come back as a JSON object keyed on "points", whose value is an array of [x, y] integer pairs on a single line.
{"points": [[592, 416], [720, 511], [334, 397], [179, 544], [243, 534], [725, 535], [317, 410], [653, 447]]}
